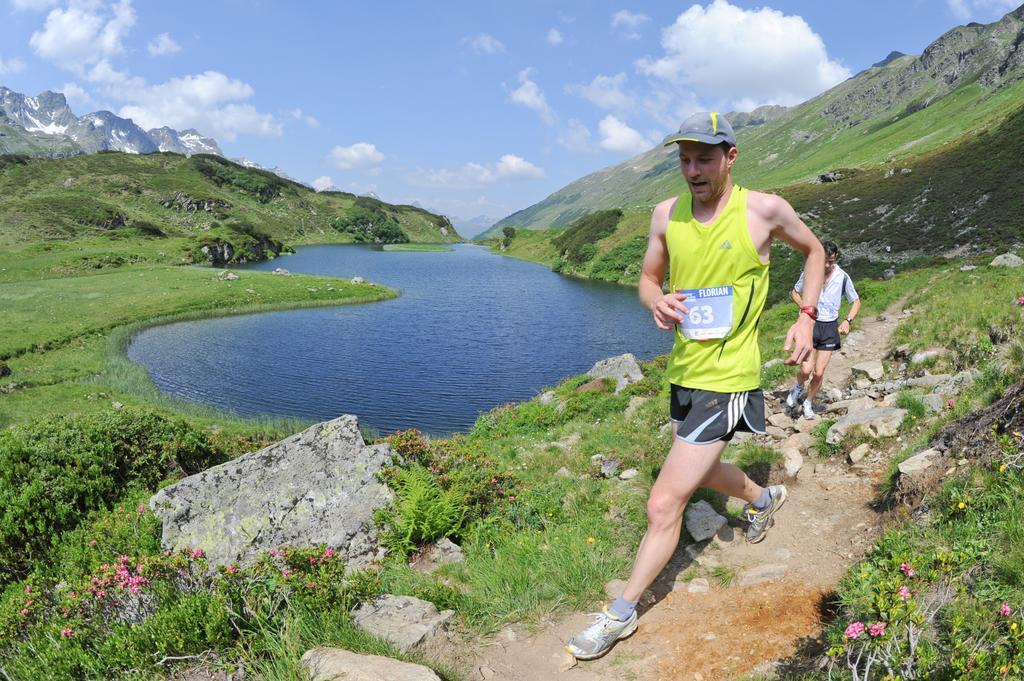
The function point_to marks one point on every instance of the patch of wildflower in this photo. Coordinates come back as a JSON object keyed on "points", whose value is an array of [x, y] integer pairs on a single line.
{"points": [[854, 630]]}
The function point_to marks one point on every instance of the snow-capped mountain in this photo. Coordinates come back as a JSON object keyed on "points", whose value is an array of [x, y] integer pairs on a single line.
{"points": [[48, 113], [186, 142], [47, 117], [248, 163]]}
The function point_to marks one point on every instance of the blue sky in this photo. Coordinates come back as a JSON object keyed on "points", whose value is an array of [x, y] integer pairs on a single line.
{"points": [[468, 108]]}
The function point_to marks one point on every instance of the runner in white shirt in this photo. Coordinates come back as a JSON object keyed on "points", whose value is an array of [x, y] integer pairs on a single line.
{"points": [[826, 327]]}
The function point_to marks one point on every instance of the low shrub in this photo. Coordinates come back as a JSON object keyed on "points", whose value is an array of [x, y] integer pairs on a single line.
{"points": [[56, 470]]}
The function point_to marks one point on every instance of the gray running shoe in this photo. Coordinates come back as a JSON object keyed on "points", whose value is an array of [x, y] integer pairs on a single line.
{"points": [[599, 637], [809, 410], [794, 395], [760, 521]]}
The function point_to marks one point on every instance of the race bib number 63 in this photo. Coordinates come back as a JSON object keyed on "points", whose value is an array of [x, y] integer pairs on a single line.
{"points": [[710, 312]]}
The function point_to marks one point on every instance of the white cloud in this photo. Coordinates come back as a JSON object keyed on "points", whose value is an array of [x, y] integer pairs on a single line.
{"points": [[32, 5], [357, 156], [485, 43], [618, 137], [163, 44], [508, 167], [322, 183], [964, 10], [554, 36], [12, 65], [529, 94], [77, 97], [759, 56], [209, 102], [305, 118], [511, 165], [575, 137], [606, 92], [628, 23], [83, 33]]}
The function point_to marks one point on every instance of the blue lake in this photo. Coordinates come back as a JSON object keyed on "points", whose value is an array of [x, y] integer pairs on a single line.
{"points": [[470, 331]]}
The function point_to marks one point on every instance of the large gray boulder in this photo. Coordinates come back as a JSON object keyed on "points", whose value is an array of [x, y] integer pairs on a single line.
{"points": [[878, 422], [405, 621], [317, 487], [871, 369], [335, 664], [1006, 260], [624, 369]]}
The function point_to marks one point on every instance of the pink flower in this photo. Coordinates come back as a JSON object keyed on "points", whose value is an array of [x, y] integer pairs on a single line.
{"points": [[140, 509], [904, 593], [67, 633], [877, 629], [73, 594], [232, 569], [906, 569], [329, 553], [1020, 300], [1004, 610], [273, 552], [285, 572], [92, 543], [101, 593], [854, 630], [198, 553], [28, 588], [24, 612]]}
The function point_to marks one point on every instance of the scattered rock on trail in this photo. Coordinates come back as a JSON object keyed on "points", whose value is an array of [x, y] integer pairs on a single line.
{"points": [[316, 487], [702, 521], [624, 369], [445, 551], [877, 422], [336, 664], [762, 573], [858, 452], [858, 405], [919, 462], [927, 354], [928, 381], [792, 461], [405, 621], [871, 369], [1007, 260]]}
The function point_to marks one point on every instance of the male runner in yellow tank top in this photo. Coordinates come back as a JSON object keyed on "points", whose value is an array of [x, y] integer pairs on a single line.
{"points": [[715, 243]]}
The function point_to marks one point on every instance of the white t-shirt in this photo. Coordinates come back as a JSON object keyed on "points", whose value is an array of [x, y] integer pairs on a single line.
{"points": [[838, 285]]}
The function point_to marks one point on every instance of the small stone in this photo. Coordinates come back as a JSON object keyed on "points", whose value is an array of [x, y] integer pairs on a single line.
{"points": [[775, 432], [117, 406], [623, 369], [628, 474], [762, 573], [610, 467], [968, 268], [487, 673], [1006, 260], [357, 280], [859, 452], [547, 397], [666, 429], [862, 383], [927, 354], [961, 462], [793, 462], [702, 521], [872, 369], [566, 661], [698, 586], [780, 421], [918, 462], [563, 472]]}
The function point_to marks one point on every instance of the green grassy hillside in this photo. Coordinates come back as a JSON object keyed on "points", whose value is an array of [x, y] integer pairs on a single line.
{"points": [[166, 207], [967, 81]]}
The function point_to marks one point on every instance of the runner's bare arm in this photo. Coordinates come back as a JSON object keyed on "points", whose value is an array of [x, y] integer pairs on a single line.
{"points": [[664, 307], [786, 225], [796, 297]]}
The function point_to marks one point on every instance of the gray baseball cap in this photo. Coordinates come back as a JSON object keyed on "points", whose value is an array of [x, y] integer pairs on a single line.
{"points": [[709, 127]]}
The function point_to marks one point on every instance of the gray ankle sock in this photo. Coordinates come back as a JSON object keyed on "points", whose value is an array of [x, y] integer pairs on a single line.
{"points": [[621, 609], [762, 501]]}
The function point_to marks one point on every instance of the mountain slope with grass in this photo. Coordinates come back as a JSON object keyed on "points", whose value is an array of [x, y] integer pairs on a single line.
{"points": [[968, 80], [168, 208]]}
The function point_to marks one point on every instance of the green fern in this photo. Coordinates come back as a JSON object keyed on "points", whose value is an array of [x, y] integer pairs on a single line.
{"points": [[422, 511]]}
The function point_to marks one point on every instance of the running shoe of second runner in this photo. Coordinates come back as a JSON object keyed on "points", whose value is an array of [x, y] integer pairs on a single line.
{"points": [[794, 395], [601, 635], [760, 521], [809, 410]]}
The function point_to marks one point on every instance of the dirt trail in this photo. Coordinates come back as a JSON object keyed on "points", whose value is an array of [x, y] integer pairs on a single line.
{"points": [[762, 600]]}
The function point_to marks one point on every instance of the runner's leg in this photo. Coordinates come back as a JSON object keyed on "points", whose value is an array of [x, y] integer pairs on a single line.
{"points": [[685, 467], [821, 360]]}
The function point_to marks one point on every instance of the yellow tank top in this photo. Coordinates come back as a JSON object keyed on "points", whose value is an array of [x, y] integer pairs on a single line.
{"points": [[707, 260]]}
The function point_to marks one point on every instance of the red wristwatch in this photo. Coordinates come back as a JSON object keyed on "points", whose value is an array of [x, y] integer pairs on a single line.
{"points": [[811, 311]]}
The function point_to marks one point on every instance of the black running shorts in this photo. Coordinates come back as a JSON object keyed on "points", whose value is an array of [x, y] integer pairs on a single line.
{"points": [[826, 336], [704, 417]]}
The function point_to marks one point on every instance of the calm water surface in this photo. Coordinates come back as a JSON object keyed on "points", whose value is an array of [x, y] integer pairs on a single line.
{"points": [[470, 331]]}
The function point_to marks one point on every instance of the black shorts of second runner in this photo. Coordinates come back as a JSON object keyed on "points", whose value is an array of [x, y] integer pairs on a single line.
{"points": [[826, 336], [703, 416]]}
